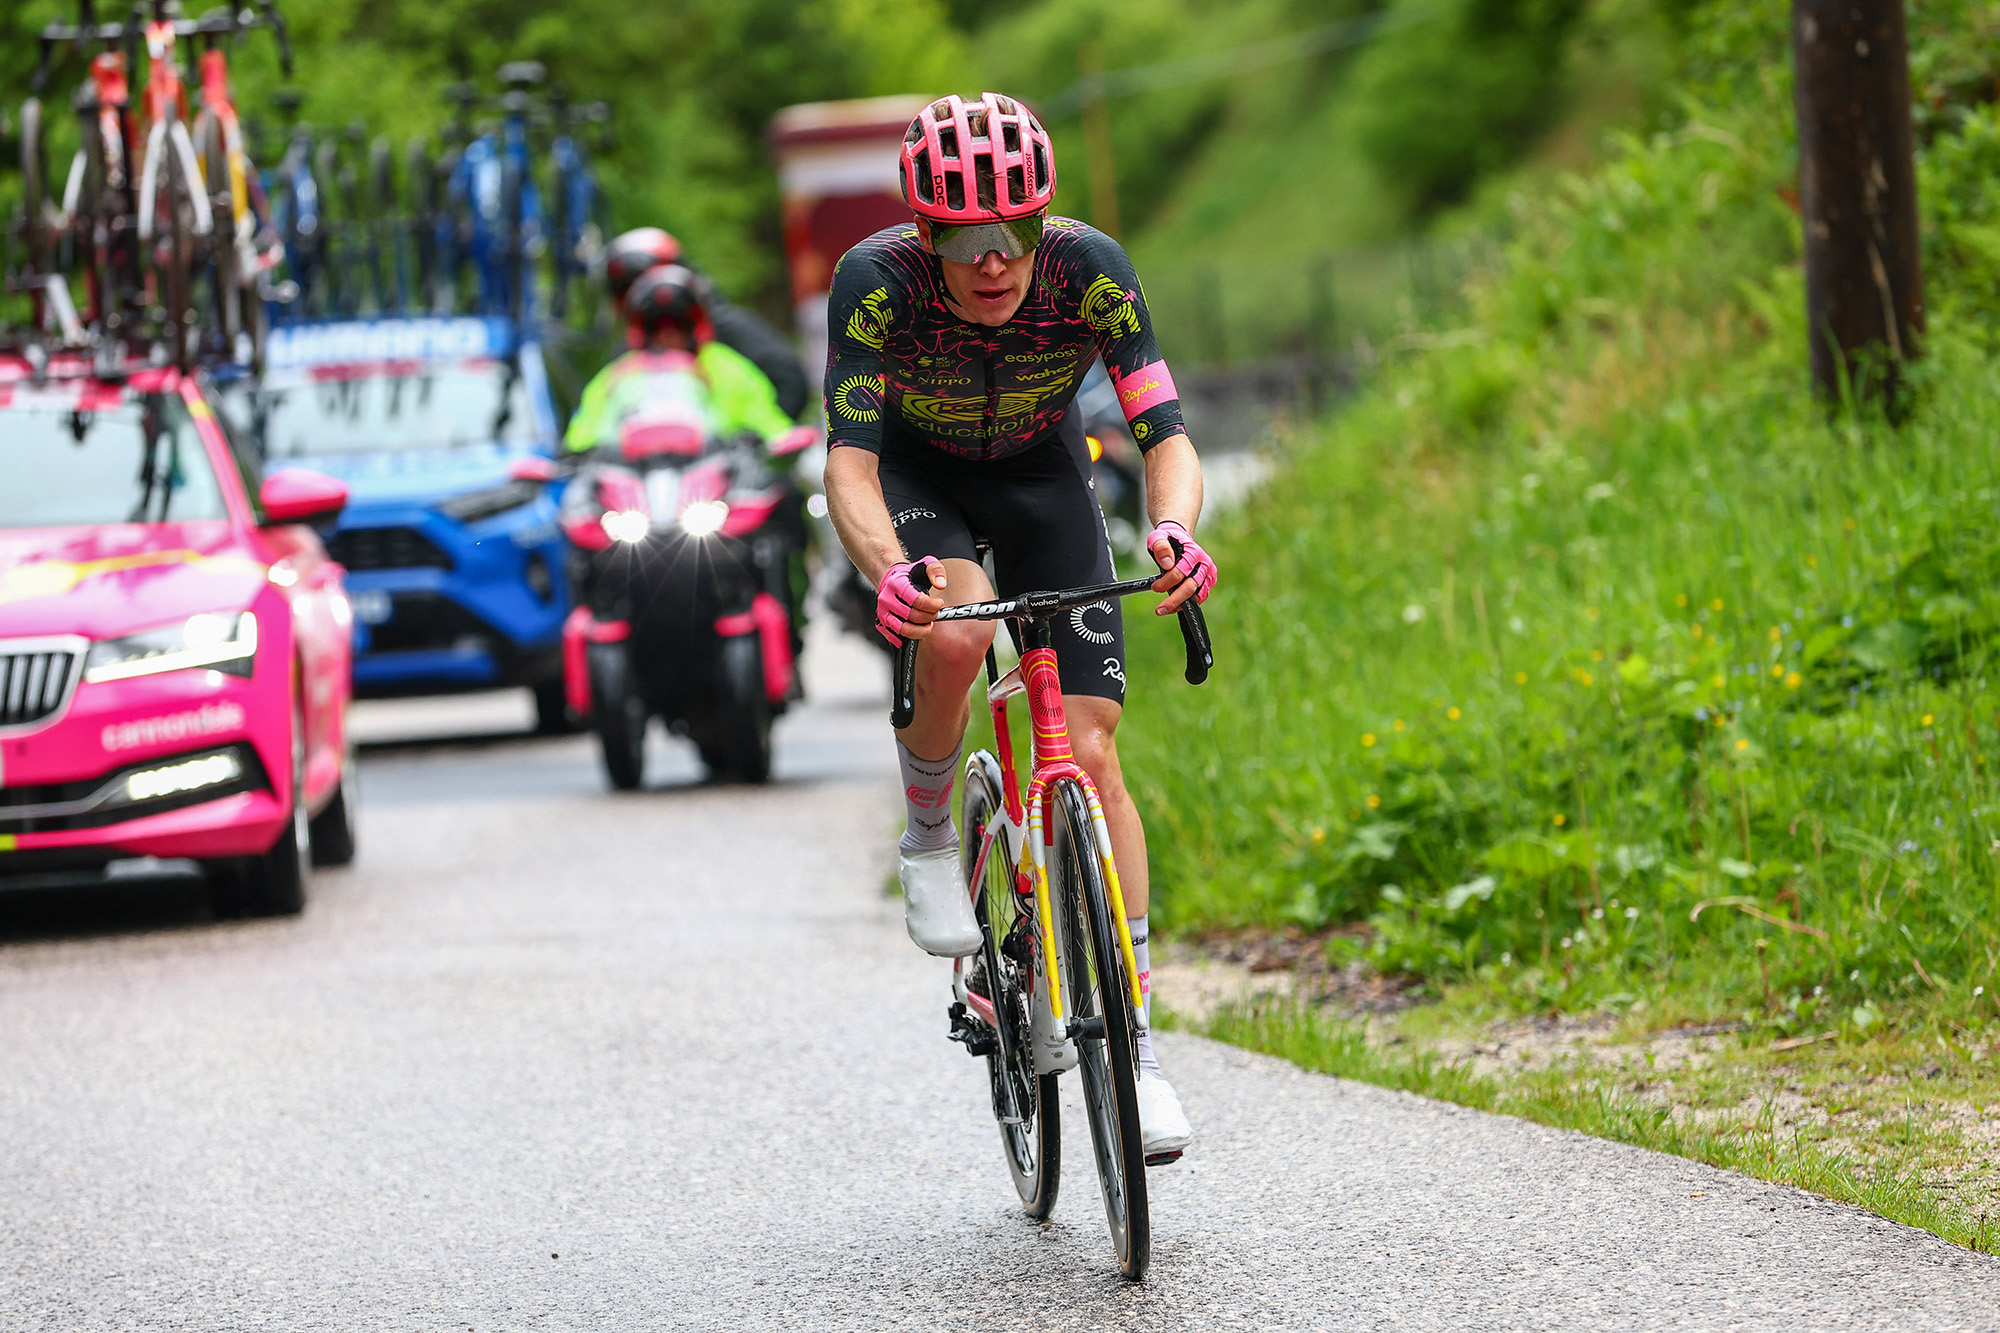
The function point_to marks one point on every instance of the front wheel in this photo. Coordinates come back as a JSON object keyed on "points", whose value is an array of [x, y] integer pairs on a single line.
{"points": [[1024, 1103], [1100, 1002], [333, 831], [742, 732], [618, 714], [275, 883]]}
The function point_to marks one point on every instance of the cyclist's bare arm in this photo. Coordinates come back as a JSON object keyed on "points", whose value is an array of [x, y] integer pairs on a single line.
{"points": [[1173, 493], [861, 517]]}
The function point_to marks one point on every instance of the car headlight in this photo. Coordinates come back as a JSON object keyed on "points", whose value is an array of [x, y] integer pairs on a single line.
{"points": [[704, 517], [226, 641], [491, 500]]}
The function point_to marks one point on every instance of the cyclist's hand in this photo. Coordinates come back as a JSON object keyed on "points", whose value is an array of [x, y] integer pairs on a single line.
{"points": [[1190, 571], [902, 609]]}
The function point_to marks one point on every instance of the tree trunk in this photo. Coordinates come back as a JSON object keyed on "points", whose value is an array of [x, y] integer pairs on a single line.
{"points": [[1858, 194]]}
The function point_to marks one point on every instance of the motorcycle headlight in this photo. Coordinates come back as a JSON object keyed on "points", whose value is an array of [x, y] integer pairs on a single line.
{"points": [[226, 641], [704, 517], [489, 501], [626, 525]]}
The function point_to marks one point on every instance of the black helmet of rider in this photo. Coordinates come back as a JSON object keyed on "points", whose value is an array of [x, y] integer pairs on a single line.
{"points": [[668, 296], [632, 253]]}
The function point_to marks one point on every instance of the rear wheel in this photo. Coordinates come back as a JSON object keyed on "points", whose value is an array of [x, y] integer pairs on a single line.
{"points": [[1100, 997], [1024, 1104], [742, 734], [619, 716]]}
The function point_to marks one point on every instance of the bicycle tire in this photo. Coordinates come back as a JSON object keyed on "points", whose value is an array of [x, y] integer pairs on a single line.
{"points": [[36, 233], [1097, 987], [225, 273], [1025, 1104], [173, 262]]}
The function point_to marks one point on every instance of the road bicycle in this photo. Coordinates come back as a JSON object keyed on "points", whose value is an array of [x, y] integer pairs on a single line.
{"points": [[296, 210], [175, 221], [576, 206], [249, 248], [1051, 915]]}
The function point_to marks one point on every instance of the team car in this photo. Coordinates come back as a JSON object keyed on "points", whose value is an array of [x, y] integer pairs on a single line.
{"points": [[445, 430], [174, 641]]}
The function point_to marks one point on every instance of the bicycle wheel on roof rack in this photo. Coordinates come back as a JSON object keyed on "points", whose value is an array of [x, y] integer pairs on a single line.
{"points": [[1024, 1103], [421, 175], [174, 261], [1099, 994], [222, 278], [37, 233]]}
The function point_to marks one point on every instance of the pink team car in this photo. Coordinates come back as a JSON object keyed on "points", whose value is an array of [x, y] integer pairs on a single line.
{"points": [[174, 642]]}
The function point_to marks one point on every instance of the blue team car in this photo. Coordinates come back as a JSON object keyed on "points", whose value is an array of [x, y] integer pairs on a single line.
{"points": [[445, 432]]}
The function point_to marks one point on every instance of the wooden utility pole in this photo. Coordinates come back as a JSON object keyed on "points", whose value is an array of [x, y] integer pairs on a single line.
{"points": [[1858, 193], [1103, 173]]}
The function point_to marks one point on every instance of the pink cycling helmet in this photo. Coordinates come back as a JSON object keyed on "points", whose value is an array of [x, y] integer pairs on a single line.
{"points": [[979, 163]]}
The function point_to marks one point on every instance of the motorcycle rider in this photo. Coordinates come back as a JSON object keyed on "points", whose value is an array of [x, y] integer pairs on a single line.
{"points": [[956, 349], [666, 313], [632, 253]]}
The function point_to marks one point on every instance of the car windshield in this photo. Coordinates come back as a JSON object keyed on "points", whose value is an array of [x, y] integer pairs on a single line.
{"points": [[136, 461], [388, 408]]}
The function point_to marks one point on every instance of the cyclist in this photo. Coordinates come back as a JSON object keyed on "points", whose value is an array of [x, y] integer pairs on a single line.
{"points": [[957, 345], [666, 313], [633, 252]]}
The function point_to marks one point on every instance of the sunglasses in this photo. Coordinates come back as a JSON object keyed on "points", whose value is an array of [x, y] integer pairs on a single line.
{"points": [[1012, 237]]}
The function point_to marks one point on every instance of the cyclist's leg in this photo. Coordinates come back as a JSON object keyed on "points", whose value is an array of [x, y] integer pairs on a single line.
{"points": [[936, 909]]}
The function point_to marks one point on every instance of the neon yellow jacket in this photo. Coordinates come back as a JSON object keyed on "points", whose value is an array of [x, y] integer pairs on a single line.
{"points": [[740, 398]]}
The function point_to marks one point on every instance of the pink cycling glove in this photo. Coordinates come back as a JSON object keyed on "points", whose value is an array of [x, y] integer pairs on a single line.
{"points": [[1193, 563], [896, 598]]}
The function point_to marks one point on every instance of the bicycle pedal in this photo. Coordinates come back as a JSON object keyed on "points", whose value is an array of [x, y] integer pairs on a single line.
{"points": [[1164, 1158], [975, 1036]]}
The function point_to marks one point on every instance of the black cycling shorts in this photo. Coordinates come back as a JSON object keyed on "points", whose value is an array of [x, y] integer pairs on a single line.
{"points": [[1038, 510]]}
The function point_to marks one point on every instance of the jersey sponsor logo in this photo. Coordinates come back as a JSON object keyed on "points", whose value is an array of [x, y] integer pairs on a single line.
{"points": [[859, 398], [938, 411], [933, 799], [1063, 224], [1084, 630], [1114, 670], [869, 324], [902, 516], [1144, 388], [1141, 431], [1107, 308], [1015, 358]]}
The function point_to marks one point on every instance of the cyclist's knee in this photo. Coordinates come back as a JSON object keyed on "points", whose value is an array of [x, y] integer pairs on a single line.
{"points": [[1092, 740], [957, 650]]}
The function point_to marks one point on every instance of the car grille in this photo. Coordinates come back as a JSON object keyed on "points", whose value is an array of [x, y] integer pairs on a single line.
{"points": [[426, 622], [386, 548], [35, 679], [57, 807]]}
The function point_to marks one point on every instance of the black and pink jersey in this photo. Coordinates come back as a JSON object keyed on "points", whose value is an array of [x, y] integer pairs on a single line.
{"points": [[902, 368]]}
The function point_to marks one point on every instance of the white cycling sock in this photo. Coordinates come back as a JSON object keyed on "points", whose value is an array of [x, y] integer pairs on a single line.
{"points": [[1149, 1064], [927, 800]]}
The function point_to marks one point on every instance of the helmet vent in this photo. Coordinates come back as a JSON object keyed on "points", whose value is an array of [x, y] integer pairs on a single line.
{"points": [[948, 141], [924, 176], [954, 190], [1017, 186], [1010, 138], [1041, 164]]}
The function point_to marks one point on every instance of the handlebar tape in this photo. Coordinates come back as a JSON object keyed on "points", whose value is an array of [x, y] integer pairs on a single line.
{"points": [[903, 709], [1194, 633]]}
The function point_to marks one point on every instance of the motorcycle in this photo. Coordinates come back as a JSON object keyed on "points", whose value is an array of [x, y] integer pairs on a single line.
{"points": [[683, 540]]}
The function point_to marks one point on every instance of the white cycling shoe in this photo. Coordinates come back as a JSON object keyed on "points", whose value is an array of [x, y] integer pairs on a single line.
{"points": [[937, 908], [1164, 1132]]}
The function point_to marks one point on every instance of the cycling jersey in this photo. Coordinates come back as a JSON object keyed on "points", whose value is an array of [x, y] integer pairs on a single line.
{"points": [[740, 398], [902, 367]]}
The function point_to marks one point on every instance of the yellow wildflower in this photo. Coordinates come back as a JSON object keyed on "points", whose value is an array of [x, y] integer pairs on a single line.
{"points": [[1927, 719], [1597, 654], [1451, 713], [1793, 681], [1680, 599], [1560, 819], [1397, 724], [1718, 682], [1367, 739], [1777, 670], [1374, 801], [1715, 605], [1742, 744], [1520, 678]]}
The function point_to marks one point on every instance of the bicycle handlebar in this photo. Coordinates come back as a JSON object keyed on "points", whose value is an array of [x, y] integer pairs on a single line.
{"points": [[1036, 606]]}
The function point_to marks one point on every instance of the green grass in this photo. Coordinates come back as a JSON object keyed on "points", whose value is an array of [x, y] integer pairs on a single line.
{"points": [[1892, 1178], [1585, 659]]}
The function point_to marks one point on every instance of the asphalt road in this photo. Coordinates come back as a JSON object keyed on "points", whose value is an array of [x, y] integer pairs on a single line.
{"points": [[548, 1058]]}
